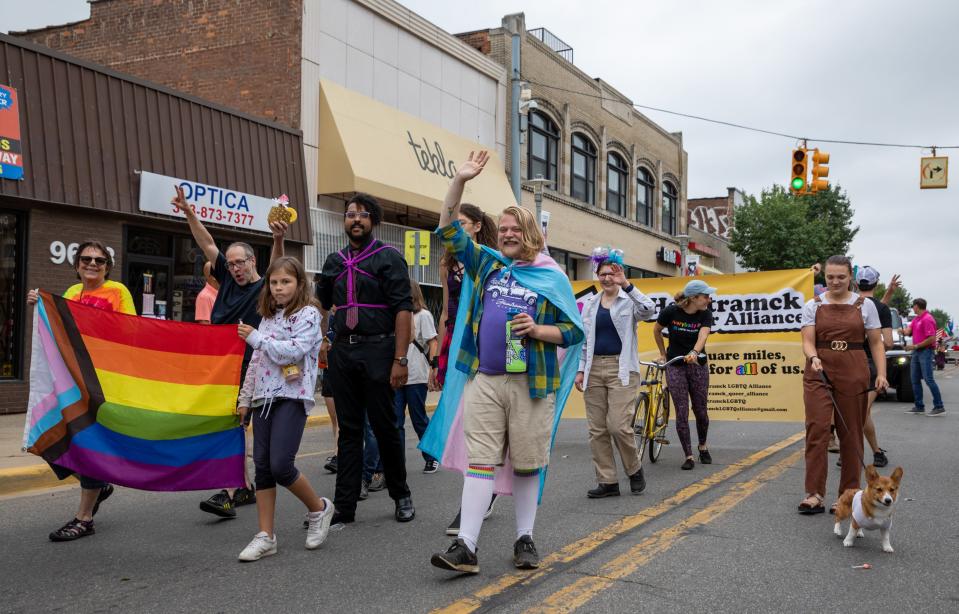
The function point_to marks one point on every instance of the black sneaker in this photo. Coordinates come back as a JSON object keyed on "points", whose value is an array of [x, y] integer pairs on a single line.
{"points": [[244, 496], [916, 411], [705, 458], [75, 529], [220, 505], [688, 464], [105, 493], [603, 490], [431, 466], [524, 553], [364, 490], [331, 465], [637, 482], [454, 528], [339, 518], [879, 458], [457, 558], [378, 482]]}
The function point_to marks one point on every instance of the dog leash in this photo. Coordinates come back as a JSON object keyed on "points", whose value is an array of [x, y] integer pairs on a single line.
{"points": [[829, 388]]}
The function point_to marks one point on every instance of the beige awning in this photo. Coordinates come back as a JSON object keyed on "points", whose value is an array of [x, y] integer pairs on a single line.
{"points": [[367, 146]]}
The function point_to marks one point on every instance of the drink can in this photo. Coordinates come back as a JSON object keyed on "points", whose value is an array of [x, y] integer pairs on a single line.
{"points": [[515, 347]]}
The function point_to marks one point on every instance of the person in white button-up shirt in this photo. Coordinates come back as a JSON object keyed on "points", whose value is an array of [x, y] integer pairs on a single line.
{"points": [[609, 375]]}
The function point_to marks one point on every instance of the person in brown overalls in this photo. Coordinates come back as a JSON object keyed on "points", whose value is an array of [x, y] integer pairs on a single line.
{"points": [[835, 327]]}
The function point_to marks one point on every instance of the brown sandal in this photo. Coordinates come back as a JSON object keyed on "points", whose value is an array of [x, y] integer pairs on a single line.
{"points": [[812, 504]]}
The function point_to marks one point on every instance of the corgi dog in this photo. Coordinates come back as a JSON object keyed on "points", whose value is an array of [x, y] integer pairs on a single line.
{"points": [[870, 508]]}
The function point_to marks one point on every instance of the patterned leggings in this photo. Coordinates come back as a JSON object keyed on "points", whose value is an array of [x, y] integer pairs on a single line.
{"points": [[689, 381]]}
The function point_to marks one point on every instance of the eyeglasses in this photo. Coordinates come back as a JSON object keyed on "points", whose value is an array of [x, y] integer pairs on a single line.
{"points": [[237, 264], [99, 260], [602, 275], [352, 215]]}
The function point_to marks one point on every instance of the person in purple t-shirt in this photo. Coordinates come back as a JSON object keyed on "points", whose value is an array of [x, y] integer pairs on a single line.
{"points": [[923, 331], [502, 299]]}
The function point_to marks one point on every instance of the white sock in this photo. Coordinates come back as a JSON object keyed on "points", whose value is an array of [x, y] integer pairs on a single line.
{"points": [[477, 492], [525, 497]]}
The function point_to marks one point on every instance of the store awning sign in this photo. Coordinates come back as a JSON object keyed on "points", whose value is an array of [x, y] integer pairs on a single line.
{"points": [[212, 204], [11, 153], [367, 146]]}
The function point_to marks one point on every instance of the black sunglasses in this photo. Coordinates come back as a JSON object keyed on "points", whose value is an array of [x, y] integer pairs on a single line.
{"points": [[99, 260]]}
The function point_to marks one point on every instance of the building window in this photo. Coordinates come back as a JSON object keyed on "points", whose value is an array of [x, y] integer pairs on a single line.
{"points": [[617, 176], [669, 208], [645, 184], [543, 147], [584, 170], [12, 293]]}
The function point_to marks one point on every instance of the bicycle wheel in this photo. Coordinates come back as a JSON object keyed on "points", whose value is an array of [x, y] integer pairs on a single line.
{"points": [[639, 421], [661, 421]]}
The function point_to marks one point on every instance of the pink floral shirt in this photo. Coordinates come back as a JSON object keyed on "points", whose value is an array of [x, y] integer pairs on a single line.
{"points": [[278, 342]]}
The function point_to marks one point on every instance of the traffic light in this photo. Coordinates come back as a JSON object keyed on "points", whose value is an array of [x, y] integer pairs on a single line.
{"points": [[818, 183], [800, 160]]}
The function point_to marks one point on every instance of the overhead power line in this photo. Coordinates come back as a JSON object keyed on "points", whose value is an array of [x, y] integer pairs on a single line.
{"points": [[743, 127]]}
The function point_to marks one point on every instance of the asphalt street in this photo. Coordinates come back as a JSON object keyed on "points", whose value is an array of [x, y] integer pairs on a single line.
{"points": [[720, 538]]}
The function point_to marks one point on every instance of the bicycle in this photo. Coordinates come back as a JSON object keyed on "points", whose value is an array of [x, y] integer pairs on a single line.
{"points": [[650, 426]]}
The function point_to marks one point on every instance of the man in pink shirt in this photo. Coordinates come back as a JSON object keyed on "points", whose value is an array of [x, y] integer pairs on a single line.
{"points": [[923, 331], [206, 297]]}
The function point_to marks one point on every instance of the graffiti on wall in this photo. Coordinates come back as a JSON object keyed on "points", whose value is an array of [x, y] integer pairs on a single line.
{"points": [[712, 220]]}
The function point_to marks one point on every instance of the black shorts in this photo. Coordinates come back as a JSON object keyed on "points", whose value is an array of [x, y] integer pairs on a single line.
{"points": [[326, 388], [872, 371]]}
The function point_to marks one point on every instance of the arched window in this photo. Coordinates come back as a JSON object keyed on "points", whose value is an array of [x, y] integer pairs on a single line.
{"points": [[583, 185], [670, 207], [617, 177], [645, 184], [543, 147]]}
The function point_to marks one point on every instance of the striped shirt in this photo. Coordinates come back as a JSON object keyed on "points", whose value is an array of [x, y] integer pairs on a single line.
{"points": [[543, 368]]}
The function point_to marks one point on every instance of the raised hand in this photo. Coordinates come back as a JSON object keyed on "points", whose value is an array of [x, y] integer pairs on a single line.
{"points": [[473, 165], [279, 228], [179, 201], [619, 276]]}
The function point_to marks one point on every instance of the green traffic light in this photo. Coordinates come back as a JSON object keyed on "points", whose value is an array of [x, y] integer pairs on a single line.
{"points": [[798, 183]]}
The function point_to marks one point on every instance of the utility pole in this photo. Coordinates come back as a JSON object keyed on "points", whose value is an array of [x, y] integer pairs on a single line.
{"points": [[515, 23]]}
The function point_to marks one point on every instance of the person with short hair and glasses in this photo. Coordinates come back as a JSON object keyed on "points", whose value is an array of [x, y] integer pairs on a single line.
{"points": [[236, 303], [93, 264]]}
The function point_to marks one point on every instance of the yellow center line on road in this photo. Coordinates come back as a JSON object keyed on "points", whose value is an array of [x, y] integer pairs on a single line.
{"points": [[586, 588], [591, 542]]}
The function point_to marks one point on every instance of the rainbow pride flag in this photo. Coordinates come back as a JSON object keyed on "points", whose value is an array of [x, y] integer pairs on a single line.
{"points": [[134, 401]]}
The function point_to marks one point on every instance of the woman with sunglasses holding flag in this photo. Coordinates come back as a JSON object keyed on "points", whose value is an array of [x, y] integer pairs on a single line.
{"points": [[93, 264]]}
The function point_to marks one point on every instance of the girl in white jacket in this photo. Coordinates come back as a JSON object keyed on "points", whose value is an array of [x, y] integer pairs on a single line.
{"points": [[278, 389]]}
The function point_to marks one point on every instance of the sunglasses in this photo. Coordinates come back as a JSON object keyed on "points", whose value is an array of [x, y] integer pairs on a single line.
{"points": [[99, 260], [363, 215]]}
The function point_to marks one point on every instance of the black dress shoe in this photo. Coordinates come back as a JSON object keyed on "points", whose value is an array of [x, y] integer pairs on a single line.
{"points": [[637, 482], [339, 518], [603, 490], [404, 510]]}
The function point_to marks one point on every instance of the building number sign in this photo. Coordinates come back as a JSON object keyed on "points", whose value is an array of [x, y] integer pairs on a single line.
{"points": [[61, 252]]}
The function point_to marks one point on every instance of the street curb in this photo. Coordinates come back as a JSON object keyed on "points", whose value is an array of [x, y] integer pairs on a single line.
{"points": [[34, 477]]}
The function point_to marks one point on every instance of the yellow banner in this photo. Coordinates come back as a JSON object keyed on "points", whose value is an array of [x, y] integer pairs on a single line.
{"points": [[755, 352]]}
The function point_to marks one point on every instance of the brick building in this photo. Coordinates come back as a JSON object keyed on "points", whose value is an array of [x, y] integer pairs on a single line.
{"points": [[619, 178], [100, 153], [710, 223]]}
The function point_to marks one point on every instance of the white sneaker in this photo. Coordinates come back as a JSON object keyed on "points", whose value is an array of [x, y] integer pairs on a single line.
{"points": [[261, 546], [319, 526]]}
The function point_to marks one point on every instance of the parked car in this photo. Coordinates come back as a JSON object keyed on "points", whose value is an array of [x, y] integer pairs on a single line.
{"points": [[899, 361]]}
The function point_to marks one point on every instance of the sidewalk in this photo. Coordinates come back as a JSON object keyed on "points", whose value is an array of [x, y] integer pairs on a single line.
{"points": [[20, 471]]}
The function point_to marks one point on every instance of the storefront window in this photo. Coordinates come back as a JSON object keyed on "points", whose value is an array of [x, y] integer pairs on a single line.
{"points": [[12, 293]]}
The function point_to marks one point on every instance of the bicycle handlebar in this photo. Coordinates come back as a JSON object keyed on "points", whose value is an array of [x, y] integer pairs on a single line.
{"points": [[663, 365]]}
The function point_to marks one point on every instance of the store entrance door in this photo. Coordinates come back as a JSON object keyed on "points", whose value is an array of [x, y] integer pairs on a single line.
{"points": [[151, 276]]}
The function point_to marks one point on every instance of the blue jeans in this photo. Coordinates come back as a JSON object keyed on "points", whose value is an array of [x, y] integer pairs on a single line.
{"points": [[371, 454], [922, 370], [414, 397]]}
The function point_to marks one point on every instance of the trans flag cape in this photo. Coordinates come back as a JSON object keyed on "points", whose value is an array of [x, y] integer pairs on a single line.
{"points": [[444, 438], [134, 401]]}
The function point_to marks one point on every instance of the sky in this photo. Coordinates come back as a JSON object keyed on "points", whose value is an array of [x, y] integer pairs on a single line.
{"points": [[859, 70]]}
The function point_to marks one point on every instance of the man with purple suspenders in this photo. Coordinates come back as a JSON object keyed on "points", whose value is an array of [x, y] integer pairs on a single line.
{"points": [[368, 282]]}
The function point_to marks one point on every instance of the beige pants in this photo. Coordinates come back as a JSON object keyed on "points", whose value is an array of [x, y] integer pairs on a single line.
{"points": [[498, 414], [609, 411]]}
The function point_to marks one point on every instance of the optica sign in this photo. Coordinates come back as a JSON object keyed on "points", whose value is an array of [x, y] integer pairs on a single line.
{"points": [[211, 203], [11, 153]]}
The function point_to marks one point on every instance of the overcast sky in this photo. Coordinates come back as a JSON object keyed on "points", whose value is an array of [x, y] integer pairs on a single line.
{"points": [[857, 70]]}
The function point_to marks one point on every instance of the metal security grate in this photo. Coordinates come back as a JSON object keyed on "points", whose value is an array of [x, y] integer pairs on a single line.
{"points": [[328, 237], [553, 42]]}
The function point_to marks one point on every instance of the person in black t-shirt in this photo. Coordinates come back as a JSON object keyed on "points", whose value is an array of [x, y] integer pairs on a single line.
{"points": [[867, 278], [240, 287], [688, 322]]}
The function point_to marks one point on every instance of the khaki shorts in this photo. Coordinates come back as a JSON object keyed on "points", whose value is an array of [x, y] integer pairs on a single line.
{"points": [[499, 415]]}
